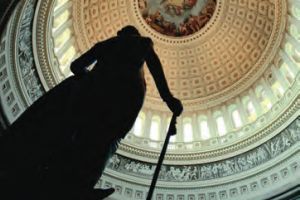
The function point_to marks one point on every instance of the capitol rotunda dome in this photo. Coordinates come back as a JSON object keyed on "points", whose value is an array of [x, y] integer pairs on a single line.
{"points": [[234, 64]]}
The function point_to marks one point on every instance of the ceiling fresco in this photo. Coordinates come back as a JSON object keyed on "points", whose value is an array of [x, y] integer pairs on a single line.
{"points": [[177, 18]]}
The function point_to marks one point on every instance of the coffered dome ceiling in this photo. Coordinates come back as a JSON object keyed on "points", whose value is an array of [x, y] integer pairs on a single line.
{"points": [[205, 68]]}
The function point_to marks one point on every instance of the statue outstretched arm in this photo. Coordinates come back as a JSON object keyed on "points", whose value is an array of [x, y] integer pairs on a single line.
{"points": [[79, 66], [157, 72]]}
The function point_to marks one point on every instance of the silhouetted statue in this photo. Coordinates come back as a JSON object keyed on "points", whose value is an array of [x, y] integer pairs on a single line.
{"points": [[57, 149]]}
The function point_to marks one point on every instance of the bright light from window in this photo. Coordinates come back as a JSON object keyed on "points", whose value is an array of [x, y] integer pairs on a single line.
{"points": [[278, 89], [60, 3], [68, 56], [62, 38], [236, 119], [138, 126], [173, 138], [288, 68], [154, 130], [62, 18], [204, 130], [188, 132], [266, 103], [288, 74], [251, 111], [221, 126]]}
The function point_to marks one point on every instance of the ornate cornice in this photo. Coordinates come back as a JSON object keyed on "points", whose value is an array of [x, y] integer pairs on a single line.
{"points": [[41, 44]]}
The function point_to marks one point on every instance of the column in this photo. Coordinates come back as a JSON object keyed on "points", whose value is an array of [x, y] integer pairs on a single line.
{"points": [[164, 126], [228, 119], [213, 130], [196, 128], [179, 135], [148, 120]]}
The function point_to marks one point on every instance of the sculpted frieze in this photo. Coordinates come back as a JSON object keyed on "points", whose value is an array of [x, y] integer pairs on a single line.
{"points": [[241, 163], [25, 54]]}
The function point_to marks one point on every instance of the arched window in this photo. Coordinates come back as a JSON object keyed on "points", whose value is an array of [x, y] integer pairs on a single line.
{"points": [[236, 118], [61, 19], [68, 56], [64, 36], [250, 109], [263, 98], [266, 102], [221, 125], [204, 129], [187, 130], [154, 129], [278, 89], [139, 124]]}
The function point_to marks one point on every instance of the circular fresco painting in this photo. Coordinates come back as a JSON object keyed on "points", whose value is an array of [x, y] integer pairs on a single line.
{"points": [[177, 17]]}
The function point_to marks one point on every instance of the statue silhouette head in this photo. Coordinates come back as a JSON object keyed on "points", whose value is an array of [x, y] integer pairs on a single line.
{"points": [[128, 31]]}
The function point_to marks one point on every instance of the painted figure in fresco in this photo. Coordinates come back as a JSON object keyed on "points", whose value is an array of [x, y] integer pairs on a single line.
{"points": [[59, 147], [177, 17], [178, 6]]}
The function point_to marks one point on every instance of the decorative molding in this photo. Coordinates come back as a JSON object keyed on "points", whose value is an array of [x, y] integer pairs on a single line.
{"points": [[201, 172], [25, 64], [42, 45]]}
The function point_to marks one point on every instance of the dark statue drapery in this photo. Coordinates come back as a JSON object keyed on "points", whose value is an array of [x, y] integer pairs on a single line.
{"points": [[61, 143]]}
